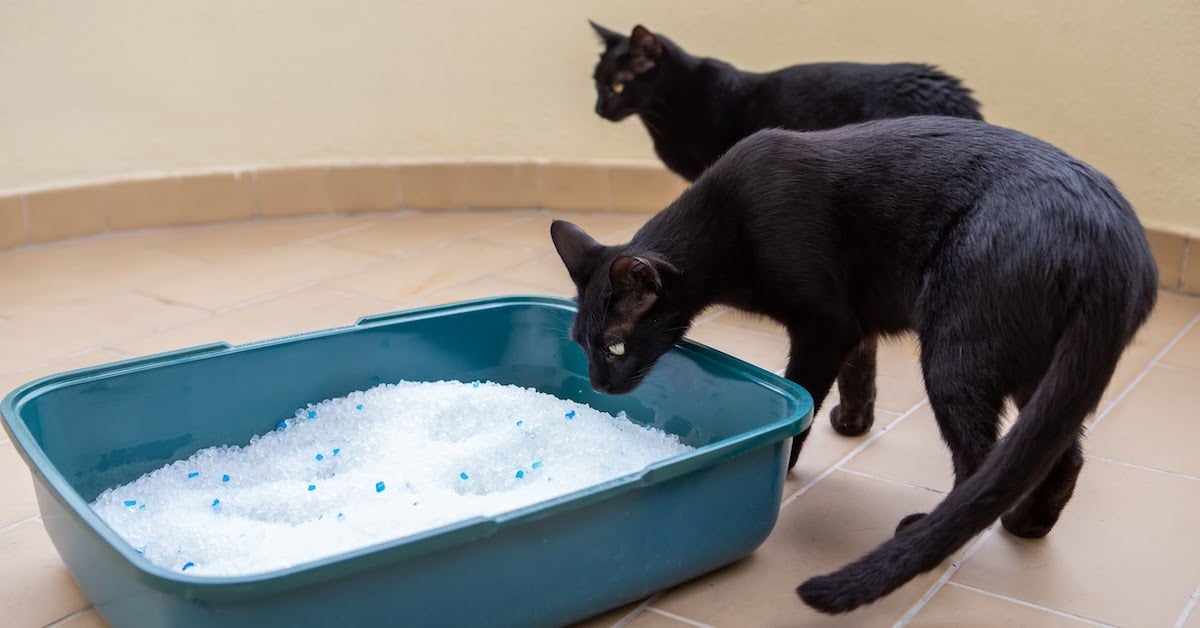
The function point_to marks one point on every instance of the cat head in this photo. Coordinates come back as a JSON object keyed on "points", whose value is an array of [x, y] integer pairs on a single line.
{"points": [[627, 72], [627, 318]]}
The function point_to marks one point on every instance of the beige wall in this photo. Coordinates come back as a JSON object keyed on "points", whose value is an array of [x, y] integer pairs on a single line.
{"points": [[95, 90]]}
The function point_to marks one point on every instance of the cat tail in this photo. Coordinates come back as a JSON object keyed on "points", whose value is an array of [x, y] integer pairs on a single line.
{"points": [[1082, 364]]}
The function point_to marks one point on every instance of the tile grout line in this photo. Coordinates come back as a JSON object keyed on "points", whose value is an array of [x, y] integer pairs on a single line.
{"points": [[892, 481], [854, 452], [17, 524], [1175, 474], [946, 575], [678, 618], [68, 617], [1188, 608], [1140, 376], [987, 534], [631, 615], [1020, 602]]}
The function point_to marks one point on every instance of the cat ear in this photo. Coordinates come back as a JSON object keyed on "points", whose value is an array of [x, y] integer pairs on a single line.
{"points": [[607, 37], [637, 282], [644, 49], [576, 248], [641, 274]]}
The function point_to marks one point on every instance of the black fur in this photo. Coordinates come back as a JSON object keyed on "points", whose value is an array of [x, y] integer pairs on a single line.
{"points": [[1023, 271], [696, 108]]}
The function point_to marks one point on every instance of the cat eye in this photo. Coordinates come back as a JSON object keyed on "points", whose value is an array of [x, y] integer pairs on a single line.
{"points": [[616, 348], [618, 88]]}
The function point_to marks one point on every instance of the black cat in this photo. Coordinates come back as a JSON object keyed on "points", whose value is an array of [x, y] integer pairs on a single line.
{"points": [[696, 108], [1023, 271]]}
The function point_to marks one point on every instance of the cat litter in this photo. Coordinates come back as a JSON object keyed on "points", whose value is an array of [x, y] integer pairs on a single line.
{"points": [[370, 467]]}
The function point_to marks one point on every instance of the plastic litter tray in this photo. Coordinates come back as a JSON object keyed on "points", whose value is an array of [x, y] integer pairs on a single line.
{"points": [[550, 564]]}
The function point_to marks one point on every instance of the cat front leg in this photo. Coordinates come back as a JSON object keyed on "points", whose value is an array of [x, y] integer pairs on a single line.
{"points": [[855, 414], [816, 355]]}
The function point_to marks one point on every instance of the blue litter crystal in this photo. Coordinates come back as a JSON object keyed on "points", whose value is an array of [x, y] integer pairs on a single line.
{"points": [[358, 407], [463, 475], [225, 478], [281, 425], [520, 474], [312, 487], [520, 423], [216, 505], [142, 507], [379, 487], [537, 465], [320, 456], [187, 565], [192, 474], [131, 502], [312, 414], [571, 414], [335, 451], [341, 516], [475, 384]]}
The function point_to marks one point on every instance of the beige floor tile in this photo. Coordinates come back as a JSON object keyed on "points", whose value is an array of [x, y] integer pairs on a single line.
{"points": [[959, 607], [226, 242], [1193, 620], [825, 447], [35, 586], [72, 252], [432, 270], [478, 289], [609, 618], [762, 350], [546, 272], [911, 452], [227, 284], [652, 618], [1155, 424], [87, 619], [835, 522], [311, 309], [17, 500], [1186, 352], [535, 233], [413, 232], [25, 372], [74, 277], [53, 333], [1123, 552], [1169, 317]]}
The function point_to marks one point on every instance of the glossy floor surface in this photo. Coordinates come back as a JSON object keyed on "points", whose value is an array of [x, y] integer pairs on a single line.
{"points": [[1125, 553]]}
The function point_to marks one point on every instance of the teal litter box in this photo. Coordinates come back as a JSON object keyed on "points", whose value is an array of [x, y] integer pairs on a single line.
{"points": [[550, 564]]}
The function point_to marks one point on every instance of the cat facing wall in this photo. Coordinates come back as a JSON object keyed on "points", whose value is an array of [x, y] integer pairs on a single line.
{"points": [[696, 108], [1024, 272]]}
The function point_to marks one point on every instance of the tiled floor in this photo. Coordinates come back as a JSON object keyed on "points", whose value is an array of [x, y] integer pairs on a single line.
{"points": [[1125, 553]]}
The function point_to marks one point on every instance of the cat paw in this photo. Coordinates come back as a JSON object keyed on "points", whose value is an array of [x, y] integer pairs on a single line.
{"points": [[1022, 527], [909, 520], [855, 424]]}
